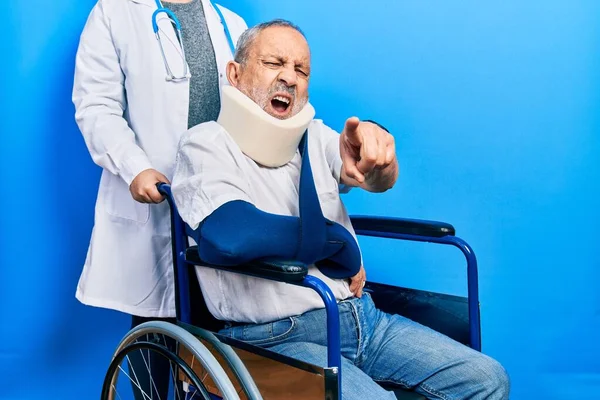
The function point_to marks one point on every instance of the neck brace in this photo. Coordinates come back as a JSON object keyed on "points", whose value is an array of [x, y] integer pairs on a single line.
{"points": [[267, 140]]}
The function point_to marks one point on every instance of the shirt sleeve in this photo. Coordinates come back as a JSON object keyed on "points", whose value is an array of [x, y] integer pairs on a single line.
{"points": [[330, 140], [100, 100], [207, 173]]}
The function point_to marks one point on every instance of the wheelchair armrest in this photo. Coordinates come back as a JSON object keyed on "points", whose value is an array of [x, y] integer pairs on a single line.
{"points": [[405, 226], [276, 270]]}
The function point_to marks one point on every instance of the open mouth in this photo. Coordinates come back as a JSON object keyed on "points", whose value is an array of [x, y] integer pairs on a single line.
{"points": [[281, 104]]}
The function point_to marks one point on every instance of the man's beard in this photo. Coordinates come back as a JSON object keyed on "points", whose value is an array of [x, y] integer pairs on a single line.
{"points": [[263, 98]]}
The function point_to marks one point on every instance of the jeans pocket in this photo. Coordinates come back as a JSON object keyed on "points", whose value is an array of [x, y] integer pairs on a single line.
{"points": [[269, 333]]}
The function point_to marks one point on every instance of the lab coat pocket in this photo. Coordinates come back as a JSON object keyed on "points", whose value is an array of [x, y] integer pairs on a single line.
{"points": [[119, 203]]}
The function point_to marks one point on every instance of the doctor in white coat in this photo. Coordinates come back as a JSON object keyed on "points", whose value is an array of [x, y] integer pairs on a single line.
{"points": [[131, 118], [132, 96]]}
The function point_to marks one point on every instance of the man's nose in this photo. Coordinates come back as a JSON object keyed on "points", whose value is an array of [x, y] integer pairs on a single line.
{"points": [[288, 77]]}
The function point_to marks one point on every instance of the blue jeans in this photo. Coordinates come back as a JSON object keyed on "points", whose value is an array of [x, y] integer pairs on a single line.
{"points": [[379, 347]]}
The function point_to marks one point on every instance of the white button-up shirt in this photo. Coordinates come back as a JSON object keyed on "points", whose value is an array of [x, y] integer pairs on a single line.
{"points": [[211, 170]]}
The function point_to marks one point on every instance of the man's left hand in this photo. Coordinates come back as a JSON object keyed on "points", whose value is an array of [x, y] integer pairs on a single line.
{"points": [[368, 155], [357, 282]]}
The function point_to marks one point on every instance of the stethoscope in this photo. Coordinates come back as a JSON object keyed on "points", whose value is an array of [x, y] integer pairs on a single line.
{"points": [[160, 9]]}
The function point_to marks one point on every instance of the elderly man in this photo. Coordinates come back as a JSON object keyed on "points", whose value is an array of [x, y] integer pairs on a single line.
{"points": [[257, 169]]}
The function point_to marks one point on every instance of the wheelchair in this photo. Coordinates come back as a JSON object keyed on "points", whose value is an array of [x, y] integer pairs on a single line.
{"points": [[206, 365]]}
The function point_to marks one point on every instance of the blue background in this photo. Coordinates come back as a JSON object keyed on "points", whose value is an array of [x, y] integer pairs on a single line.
{"points": [[495, 107]]}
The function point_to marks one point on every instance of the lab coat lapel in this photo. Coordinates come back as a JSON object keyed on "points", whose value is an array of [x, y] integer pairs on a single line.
{"points": [[218, 38]]}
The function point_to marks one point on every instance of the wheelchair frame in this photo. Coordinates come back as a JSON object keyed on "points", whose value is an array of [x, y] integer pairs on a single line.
{"points": [[185, 257], [294, 273]]}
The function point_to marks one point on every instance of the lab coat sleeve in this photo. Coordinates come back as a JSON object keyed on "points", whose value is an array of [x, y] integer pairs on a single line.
{"points": [[100, 100], [207, 174]]}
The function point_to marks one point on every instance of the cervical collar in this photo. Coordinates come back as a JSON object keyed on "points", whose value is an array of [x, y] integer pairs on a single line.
{"points": [[269, 141]]}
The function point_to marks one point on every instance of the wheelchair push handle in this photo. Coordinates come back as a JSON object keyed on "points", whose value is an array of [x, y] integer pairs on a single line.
{"points": [[163, 188]]}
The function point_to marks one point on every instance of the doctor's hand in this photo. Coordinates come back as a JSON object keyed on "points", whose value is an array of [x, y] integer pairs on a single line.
{"points": [[143, 187], [357, 282], [368, 155]]}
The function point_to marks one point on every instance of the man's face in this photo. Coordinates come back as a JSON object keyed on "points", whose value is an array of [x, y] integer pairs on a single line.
{"points": [[276, 72]]}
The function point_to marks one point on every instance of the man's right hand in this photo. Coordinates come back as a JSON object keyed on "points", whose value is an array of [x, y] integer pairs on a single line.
{"points": [[143, 187]]}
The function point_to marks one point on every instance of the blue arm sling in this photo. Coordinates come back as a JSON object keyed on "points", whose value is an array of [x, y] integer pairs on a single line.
{"points": [[238, 232]]}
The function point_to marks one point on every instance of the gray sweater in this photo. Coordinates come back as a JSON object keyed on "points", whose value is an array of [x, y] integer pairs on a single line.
{"points": [[200, 55]]}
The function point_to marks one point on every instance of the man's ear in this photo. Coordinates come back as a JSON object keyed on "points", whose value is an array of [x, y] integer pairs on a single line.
{"points": [[233, 70]]}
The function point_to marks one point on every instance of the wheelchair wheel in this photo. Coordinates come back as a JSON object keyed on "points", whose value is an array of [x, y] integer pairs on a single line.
{"points": [[164, 344]]}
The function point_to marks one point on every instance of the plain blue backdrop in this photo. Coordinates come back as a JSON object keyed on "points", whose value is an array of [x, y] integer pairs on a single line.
{"points": [[495, 107]]}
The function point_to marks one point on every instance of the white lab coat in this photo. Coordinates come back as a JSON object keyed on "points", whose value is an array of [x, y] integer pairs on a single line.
{"points": [[131, 118]]}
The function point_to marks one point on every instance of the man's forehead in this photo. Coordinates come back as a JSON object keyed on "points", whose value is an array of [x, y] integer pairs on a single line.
{"points": [[279, 41]]}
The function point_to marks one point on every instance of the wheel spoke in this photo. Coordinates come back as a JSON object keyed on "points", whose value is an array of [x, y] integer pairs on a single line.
{"points": [[175, 381], [136, 382], [149, 369]]}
